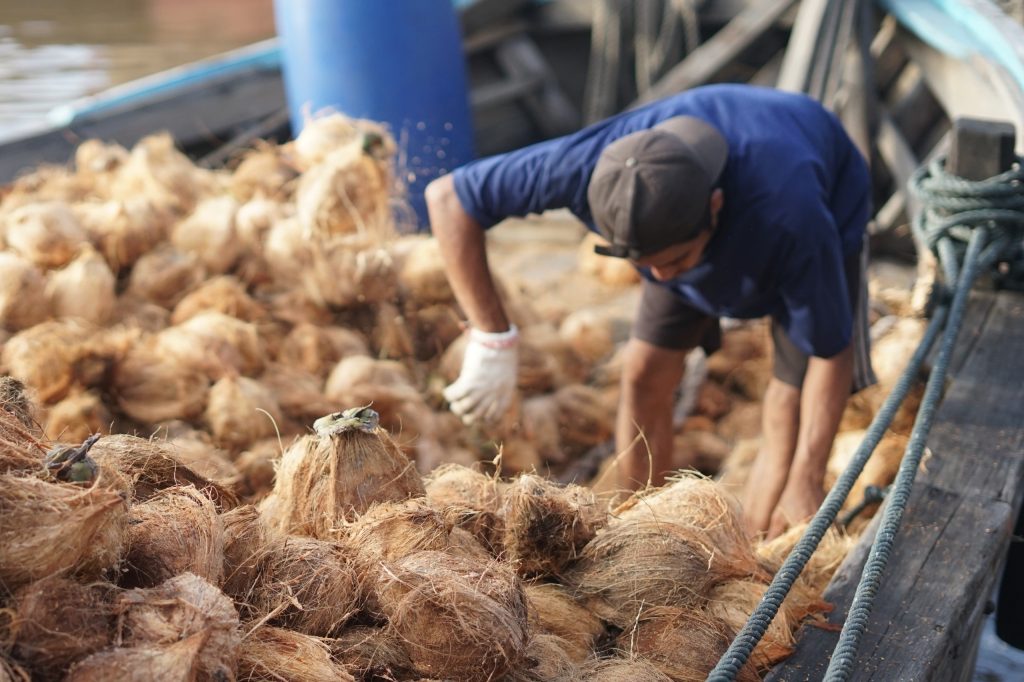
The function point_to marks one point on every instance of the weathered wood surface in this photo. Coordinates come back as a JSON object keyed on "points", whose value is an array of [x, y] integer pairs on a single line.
{"points": [[957, 527]]}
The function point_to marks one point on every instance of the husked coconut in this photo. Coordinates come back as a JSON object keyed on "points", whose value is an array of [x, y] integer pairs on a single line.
{"points": [[15, 403], [174, 531], [474, 496], [50, 528], [326, 479], [209, 233], [298, 393], [358, 371], [391, 335], [318, 349], [176, 609], [254, 219], [685, 645], [832, 549], [123, 230], [422, 277], [547, 661], [153, 387], [621, 669], [165, 275], [288, 252], [270, 654], [546, 525], [308, 585], [345, 273], [589, 333], [46, 233], [140, 315], [46, 357], [370, 651], [434, 600], [245, 542], [539, 423], [216, 343], [23, 300], [157, 170], [84, 288], [264, 173], [585, 416], [77, 417], [433, 328], [196, 450], [241, 411], [176, 662], [256, 467], [223, 294], [57, 621], [553, 611], [95, 158], [12, 672], [322, 134]]}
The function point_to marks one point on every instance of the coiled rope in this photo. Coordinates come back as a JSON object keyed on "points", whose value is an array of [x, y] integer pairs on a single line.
{"points": [[984, 223]]}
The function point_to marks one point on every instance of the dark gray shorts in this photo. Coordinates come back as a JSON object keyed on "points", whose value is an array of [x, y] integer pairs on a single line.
{"points": [[664, 320]]}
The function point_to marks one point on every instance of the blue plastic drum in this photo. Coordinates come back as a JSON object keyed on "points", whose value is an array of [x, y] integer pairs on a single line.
{"points": [[399, 62]]}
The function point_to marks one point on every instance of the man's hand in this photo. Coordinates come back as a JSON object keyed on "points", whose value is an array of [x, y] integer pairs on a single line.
{"points": [[800, 500], [487, 383]]}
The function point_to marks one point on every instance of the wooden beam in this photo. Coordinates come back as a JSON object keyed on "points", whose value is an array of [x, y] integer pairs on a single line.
{"points": [[981, 149], [703, 63], [957, 526], [554, 114]]}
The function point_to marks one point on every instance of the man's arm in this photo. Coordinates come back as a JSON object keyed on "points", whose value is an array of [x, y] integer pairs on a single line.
{"points": [[823, 398], [463, 249], [643, 429]]}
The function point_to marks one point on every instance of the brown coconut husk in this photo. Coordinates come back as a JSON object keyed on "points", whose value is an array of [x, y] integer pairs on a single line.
{"points": [[433, 328], [45, 357], [288, 253], [57, 621], [196, 450], [253, 221], [322, 134], [422, 277], [590, 334], [15, 402], [12, 672], [183, 606], [700, 504], [748, 341], [77, 417], [51, 528], [176, 662], [404, 415], [84, 288], [831, 551], [297, 392], [475, 497], [123, 231], [140, 315], [621, 670], [165, 275], [174, 531], [209, 233], [459, 618], [46, 233], [553, 610], [223, 294], [241, 411], [94, 158], [538, 417], [358, 371], [546, 525], [685, 645], [151, 387], [391, 335], [151, 466], [546, 661], [348, 272], [157, 170], [585, 416], [23, 300], [702, 450], [647, 562], [256, 467], [304, 584], [270, 654], [245, 542], [318, 349], [324, 480], [263, 172], [735, 470], [216, 343], [370, 651]]}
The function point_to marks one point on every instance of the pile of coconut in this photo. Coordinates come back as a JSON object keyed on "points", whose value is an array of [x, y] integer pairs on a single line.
{"points": [[122, 562]]}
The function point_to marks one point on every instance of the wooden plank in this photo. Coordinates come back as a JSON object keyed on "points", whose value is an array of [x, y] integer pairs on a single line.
{"points": [[555, 115], [703, 63], [958, 524]]}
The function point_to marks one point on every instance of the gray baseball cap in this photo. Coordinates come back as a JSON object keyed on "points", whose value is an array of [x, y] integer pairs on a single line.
{"points": [[650, 189]]}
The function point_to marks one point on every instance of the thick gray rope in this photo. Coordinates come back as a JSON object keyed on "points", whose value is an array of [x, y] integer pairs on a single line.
{"points": [[743, 645]]}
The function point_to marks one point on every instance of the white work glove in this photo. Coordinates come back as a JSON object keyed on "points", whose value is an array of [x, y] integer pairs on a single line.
{"points": [[487, 383]]}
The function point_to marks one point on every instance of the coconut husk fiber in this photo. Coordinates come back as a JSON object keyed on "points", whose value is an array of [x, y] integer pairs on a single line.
{"points": [[47, 233], [209, 233], [325, 480], [391, 336], [216, 343], [304, 584], [196, 450], [546, 525], [20, 447], [553, 610], [50, 528], [183, 606], [818, 571], [621, 669], [590, 334], [245, 541], [44, 357], [370, 651], [297, 392], [123, 230], [174, 531], [256, 468], [223, 294], [176, 662], [699, 503], [538, 422], [585, 416], [23, 300], [57, 621], [12, 672], [263, 172], [422, 277], [156, 169], [474, 495], [151, 387], [270, 654], [684, 644], [545, 661], [78, 416], [345, 272], [152, 467], [458, 618], [165, 275], [84, 288], [318, 349], [241, 411], [647, 562]]}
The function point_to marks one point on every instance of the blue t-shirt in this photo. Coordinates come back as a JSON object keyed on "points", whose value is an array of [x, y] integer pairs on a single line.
{"points": [[796, 204]]}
